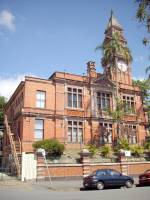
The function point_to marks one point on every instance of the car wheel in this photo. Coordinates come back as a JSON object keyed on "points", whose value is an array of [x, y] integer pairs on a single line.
{"points": [[128, 184], [100, 185], [86, 187]]}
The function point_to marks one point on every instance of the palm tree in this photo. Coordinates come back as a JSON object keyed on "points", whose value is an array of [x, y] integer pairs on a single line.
{"points": [[113, 49], [143, 17]]}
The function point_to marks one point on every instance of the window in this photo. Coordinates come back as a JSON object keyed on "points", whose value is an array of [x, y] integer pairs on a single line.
{"points": [[75, 131], [100, 173], [74, 97], [113, 173], [105, 133], [103, 100], [39, 129], [128, 102], [40, 99], [130, 133]]}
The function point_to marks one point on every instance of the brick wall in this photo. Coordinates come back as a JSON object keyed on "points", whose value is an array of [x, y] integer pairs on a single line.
{"points": [[56, 113], [76, 170]]}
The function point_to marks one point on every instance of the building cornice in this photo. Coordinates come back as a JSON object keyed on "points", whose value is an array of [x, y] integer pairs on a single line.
{"points": [[20, 86]]}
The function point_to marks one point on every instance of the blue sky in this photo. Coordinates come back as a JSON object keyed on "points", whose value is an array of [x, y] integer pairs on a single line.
{"points": [[39, 37]]}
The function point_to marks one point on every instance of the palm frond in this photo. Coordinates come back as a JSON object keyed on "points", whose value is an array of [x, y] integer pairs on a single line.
{"points": [[112, 48], [99, 47], [147, 69]]}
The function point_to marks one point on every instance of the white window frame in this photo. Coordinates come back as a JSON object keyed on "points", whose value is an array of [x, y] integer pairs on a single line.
{"points": [[132, 139], [40, 99], [129, 103], [75, 135], [103, 96], [74, 92], [39, 129], [109, 128]]}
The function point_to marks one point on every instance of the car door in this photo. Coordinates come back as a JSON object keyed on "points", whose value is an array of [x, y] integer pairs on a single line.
{"points": [[102, 175], [114, 178]]}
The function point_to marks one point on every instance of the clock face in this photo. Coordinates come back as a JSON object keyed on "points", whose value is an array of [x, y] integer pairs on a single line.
{"points": [[122, 66]]}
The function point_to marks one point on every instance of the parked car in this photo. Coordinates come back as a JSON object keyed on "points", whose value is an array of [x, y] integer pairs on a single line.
{"points": [[102, 178], [144, 178]]}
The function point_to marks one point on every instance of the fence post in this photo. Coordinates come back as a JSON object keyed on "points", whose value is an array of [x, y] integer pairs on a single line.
{"points": [[40, 167], [123, 163], [85, 158]]}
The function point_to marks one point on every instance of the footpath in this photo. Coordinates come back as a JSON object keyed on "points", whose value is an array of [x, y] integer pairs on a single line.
{"points": [[54, 185]]}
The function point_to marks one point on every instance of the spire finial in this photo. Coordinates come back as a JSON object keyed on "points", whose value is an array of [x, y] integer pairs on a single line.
{"points": [[113, 21], [111, 16], [112, 12]]}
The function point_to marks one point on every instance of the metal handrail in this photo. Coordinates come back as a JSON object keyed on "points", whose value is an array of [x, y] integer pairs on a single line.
{"points": [[12, 144]]}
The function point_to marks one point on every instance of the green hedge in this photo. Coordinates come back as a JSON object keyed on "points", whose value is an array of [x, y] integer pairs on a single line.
{"points": [[52, 146]]}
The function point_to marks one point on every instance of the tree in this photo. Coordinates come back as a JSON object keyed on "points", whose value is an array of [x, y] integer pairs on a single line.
{"points": [[117, 114], [2, 105], [143, 13], [112, 49], [143, 16], [147, 70], [144, 86]]}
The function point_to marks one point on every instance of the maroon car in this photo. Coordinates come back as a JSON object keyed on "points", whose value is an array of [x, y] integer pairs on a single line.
{"points": [[144, 179]]}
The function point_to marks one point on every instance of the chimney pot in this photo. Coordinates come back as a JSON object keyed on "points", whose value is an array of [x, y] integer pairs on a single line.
{"points": [[91, 70]]}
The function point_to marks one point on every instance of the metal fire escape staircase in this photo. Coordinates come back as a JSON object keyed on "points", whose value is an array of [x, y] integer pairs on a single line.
{"points": [[15, 147]]}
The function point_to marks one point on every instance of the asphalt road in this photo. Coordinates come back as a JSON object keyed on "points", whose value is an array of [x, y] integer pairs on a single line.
{"points": [[40, 192]]}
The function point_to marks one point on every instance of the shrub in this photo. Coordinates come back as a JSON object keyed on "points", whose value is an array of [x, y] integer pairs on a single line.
{"points": [[137, 150], [106, 151], [92, 149], [122, 143], [147, 145], [52, 146]]}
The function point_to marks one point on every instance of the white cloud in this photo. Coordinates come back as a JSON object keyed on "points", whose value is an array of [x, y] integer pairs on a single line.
{"points": [[8, 84], [141, 78], [7, 20], [139, 59]]}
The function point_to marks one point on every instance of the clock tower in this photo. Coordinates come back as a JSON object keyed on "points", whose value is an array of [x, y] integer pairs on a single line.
{"points": [[117, 67]]}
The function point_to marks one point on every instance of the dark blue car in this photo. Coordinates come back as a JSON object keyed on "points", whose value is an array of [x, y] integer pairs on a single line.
{"points": [[107, 178]]}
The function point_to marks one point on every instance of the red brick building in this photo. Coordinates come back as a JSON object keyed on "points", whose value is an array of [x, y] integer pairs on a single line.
{"points": [[71, 107]]}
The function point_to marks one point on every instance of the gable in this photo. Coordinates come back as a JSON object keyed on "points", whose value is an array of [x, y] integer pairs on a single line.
{"points": [[104, 82]]}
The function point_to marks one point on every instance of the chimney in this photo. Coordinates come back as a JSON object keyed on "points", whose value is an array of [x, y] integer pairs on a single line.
{"points": [[91, 70]]}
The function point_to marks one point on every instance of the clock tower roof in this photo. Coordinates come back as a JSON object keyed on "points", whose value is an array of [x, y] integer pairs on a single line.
{"points": [[113, 27], [113, 22]]}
